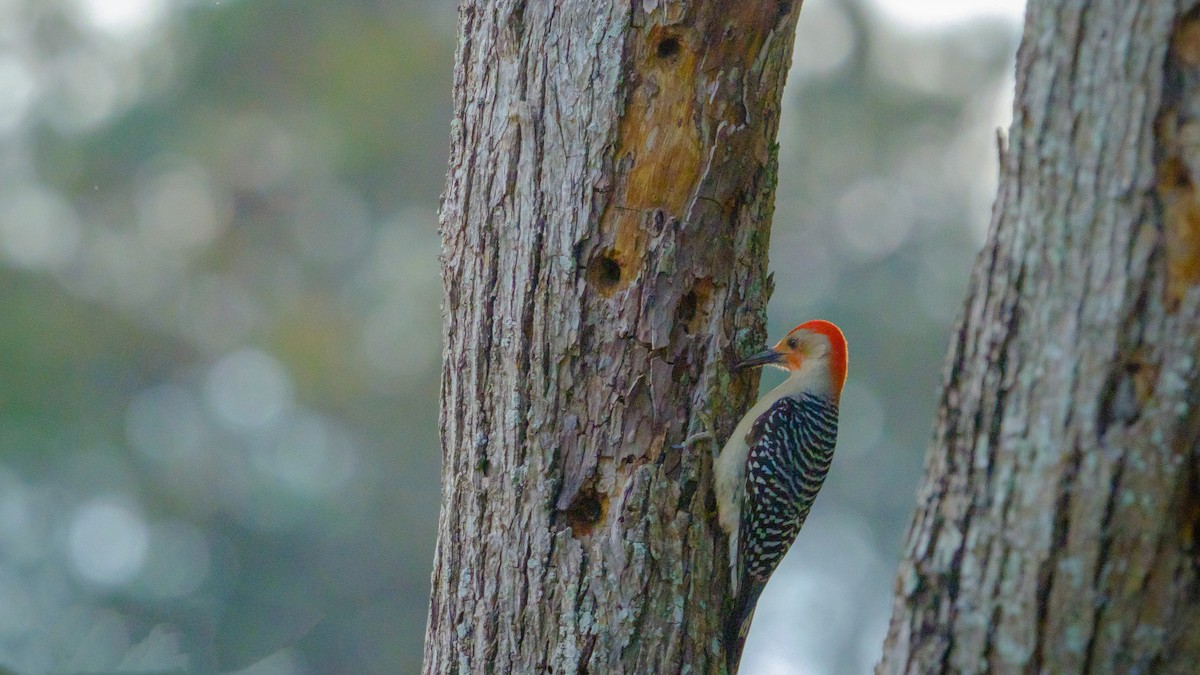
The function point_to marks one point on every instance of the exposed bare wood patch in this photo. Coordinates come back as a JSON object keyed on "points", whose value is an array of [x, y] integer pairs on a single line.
{"points": [[1178, 132], [1181, 222]]}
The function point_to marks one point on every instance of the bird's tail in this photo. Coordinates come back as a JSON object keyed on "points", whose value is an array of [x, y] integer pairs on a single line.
{"points": [[737, 626]]}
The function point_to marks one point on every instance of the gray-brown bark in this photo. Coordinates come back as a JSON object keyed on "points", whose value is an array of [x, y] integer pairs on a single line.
{"points": [[604, 233], [1056, 530]]}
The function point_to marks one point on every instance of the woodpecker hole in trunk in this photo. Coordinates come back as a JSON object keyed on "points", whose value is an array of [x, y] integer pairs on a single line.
{"points": [[605, 273], [694, 306], [585, 511], [668, 47], [687, 308]]}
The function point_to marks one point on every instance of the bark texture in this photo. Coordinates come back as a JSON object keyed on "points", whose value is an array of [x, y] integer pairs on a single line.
{"points": [[1057, 526], [605, 227]]}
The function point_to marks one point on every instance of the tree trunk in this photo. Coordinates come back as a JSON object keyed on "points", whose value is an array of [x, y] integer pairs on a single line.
{"points": [[605, 229], [1056, 530]]}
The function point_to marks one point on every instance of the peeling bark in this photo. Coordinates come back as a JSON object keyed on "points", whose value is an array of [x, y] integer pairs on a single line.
{"points": [[605, 228], [1056, 529]]}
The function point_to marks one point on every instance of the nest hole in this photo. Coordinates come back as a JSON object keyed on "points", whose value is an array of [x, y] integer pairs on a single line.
{"points": [[694, 306], [586, 511], [605, 272], [668, 48], [687, 307]]}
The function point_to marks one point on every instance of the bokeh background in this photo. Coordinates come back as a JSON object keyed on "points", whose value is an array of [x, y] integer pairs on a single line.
{"points": [[220, 323]]}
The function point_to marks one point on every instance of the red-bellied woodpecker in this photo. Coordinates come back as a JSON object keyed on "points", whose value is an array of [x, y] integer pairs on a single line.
{"points": [[770, 470]]}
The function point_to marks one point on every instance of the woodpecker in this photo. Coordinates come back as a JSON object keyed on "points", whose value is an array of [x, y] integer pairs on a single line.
{"points": [[770, 470]]}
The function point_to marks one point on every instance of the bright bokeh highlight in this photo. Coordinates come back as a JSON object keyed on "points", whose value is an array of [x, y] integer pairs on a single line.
{"points": [[946, 14]]}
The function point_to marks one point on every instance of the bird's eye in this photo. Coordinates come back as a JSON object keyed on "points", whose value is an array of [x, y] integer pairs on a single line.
{"points": [[792, 342]]}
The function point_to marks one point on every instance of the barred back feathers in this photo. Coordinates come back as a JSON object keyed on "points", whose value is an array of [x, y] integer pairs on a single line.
{"points": [[790, 453]]}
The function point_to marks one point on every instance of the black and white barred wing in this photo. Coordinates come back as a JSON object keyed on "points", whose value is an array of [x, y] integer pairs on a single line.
{"points": [[791, 449], [791, 446]]}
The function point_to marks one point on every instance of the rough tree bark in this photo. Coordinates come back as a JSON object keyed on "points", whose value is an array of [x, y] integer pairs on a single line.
{"points": [[1057, 526], [604, 228]]}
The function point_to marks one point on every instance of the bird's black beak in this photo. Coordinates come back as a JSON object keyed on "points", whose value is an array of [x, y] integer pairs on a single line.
{"points": [[763, 358]]}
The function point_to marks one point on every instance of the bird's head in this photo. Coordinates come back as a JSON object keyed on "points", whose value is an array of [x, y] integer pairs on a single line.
{"points": [[815, 348]]}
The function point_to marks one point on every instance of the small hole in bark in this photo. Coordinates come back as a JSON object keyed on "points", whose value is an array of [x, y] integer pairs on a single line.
{"points": [[605, 272], [585, 511], [694, 306], [658, 219], [669, 47], [1173, 173], [687, 308], [686, 492], [1190, 522]]}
